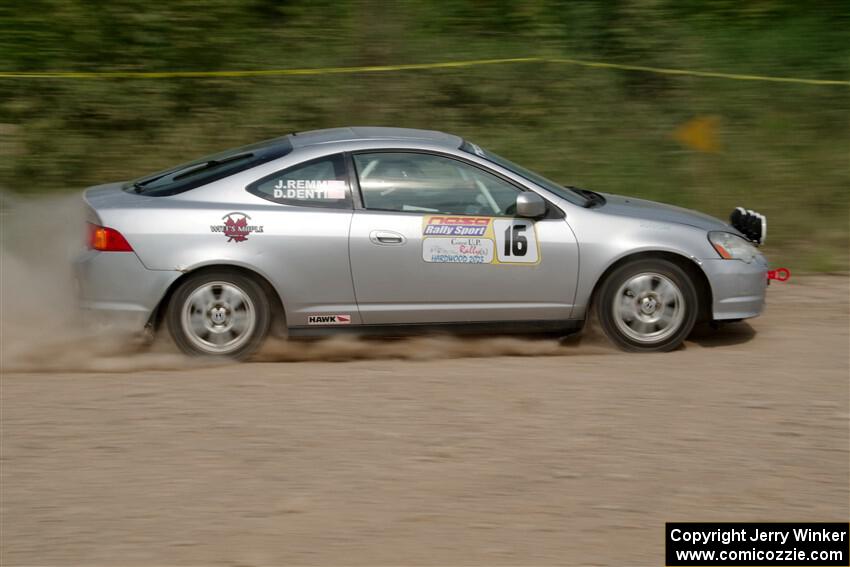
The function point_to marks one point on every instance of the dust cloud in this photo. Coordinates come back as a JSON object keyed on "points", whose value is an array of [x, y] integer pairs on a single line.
{"points": [[43, 330], [41, 326], [343, 349]]}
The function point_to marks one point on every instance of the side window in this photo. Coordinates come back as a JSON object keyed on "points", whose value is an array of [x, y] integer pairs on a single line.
{"points": [[321, 182], [415, 182]]}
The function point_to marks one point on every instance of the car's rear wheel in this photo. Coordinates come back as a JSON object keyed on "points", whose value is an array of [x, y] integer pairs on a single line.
{"points": [[647, 306], [219, 314]]}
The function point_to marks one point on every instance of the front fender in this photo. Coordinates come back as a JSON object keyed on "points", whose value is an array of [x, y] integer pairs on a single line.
{"points": [[605, 240]]}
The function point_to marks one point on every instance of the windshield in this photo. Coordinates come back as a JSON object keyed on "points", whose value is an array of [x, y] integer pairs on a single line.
{"points": [[210, 168], [567, 193]]}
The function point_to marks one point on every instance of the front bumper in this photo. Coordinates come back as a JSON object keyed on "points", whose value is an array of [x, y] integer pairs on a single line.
{"points": [[738, 288], [116, 286]]}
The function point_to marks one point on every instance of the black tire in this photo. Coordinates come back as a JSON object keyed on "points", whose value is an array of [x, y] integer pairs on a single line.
{"points": [[647, 305], [219, 306]]}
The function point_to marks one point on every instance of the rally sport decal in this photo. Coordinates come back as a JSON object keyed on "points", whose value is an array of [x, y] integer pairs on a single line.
{"points": [[479, 240]]}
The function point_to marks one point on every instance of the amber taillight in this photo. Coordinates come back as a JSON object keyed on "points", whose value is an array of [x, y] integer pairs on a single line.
{"points": [[107, 239]]}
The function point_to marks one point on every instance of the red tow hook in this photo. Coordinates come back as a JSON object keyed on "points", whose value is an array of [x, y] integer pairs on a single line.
{"points": [[779, 274]]}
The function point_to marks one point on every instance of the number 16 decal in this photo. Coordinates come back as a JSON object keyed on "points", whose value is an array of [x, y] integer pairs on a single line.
{"points": [[516, 241]]}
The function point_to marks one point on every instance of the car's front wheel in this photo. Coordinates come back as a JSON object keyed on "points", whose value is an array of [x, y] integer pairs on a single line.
{"points": [[647, 305], [219, 314]]}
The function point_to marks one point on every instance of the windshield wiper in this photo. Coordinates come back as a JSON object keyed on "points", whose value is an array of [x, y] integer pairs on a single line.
{"points": [[183, 172], [180, 174], [593, 198]]}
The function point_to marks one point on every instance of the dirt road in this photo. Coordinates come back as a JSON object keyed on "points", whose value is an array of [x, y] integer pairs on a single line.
{"points": [[578, 457]]}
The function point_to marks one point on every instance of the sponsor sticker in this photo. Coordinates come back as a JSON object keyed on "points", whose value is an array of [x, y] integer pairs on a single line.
{"points": [[329, 319], [479, 240], [457, 250], [235, 227], [455, 226]]}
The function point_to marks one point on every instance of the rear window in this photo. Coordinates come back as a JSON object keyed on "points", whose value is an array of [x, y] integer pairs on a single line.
{"points": [[207, 169], [321, 182]]}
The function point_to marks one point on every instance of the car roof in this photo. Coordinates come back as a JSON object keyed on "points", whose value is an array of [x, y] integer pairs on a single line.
{"points": [[371, 133]]}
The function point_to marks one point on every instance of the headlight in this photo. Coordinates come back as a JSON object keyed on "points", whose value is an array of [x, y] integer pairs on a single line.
{"points": [[732, 247]]}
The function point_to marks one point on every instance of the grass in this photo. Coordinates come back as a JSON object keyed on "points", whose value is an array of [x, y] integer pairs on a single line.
{"points": [[784, 149]]}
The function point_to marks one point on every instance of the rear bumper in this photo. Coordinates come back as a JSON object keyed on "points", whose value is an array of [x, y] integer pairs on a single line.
{"points": [[115, 286], [738, 289]]}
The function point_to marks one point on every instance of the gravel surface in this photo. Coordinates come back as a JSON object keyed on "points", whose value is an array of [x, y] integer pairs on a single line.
{"points": [[577, 455]]}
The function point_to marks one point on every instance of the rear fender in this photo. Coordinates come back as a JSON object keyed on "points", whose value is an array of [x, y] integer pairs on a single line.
{"points": [[275, 298]]}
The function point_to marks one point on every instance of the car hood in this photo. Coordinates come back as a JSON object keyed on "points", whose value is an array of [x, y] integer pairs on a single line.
{"points": [[650, 210]]}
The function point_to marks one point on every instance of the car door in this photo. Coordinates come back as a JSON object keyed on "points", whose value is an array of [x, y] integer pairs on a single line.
{"points": [[305, 240], [436, 242]]}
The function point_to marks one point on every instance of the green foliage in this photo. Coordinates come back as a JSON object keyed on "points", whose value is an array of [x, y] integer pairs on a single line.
{"points": [[784, 148]]}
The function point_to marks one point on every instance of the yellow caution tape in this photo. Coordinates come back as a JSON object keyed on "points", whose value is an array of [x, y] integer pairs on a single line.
{"points": [[390, 68], [254, 73], [664, 71]]}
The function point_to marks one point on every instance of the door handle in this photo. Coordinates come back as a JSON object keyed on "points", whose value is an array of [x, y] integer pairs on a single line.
{"points": [[386, 237]]}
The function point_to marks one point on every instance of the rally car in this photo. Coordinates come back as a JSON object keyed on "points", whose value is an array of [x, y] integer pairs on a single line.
{"points": [[392, 230]]}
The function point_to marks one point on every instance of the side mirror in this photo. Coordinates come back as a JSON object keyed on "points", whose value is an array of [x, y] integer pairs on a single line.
{"points": [[530, 205]]}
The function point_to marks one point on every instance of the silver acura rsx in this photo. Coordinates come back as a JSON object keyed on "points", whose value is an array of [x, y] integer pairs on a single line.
{"points": [[391, 230]]}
